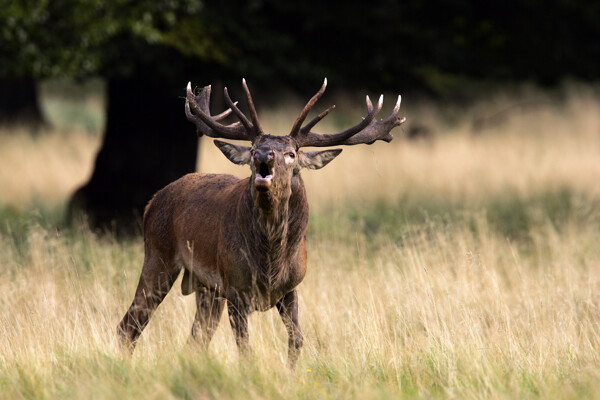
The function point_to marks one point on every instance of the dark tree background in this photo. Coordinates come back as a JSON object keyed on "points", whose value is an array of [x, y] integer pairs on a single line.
{"points": [[147, 51]]}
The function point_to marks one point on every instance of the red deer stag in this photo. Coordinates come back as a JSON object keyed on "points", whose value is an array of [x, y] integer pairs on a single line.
{"points": [[239, 240]]}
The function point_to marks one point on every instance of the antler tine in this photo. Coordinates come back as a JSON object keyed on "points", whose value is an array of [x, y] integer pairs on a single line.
{"points": [[197, 103], [397, 106], [243, 119], [296, 128], [197, 111], [319, 140], [257, 128], [224, 114], [306, 128]]}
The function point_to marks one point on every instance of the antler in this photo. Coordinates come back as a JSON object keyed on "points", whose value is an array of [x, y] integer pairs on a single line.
{"points": [[367, 131], [197, 111], [378, 130], [298, 124]]}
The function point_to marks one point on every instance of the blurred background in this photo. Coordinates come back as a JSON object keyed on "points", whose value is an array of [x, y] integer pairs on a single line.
{"points": [[112, 74]]}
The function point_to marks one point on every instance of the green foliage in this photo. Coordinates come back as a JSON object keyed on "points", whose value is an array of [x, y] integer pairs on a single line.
{"points": [[433, 45], [82, 38]]}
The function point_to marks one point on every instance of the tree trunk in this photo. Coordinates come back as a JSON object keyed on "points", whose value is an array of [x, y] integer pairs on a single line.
{"points": [[19, 103], [148, 143]]}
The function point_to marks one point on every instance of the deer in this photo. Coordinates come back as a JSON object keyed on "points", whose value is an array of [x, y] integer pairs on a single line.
{"points": [[240, 242]]}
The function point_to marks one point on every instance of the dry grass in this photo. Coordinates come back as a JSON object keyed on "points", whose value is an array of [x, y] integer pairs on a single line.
{"points": [[447, 306]]}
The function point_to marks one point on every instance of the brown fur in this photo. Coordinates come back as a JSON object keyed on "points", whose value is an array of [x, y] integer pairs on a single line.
{"points": [[233, 241]]}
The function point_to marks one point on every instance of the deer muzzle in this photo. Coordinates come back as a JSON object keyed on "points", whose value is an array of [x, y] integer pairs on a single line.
{"points": [[263, 161]]}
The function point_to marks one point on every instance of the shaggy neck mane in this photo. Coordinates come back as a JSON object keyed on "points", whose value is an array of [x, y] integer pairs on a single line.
{"points": [[275, 232]]}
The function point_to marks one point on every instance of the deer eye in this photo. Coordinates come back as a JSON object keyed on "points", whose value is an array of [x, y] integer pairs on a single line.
{"points": [[290, 155]]}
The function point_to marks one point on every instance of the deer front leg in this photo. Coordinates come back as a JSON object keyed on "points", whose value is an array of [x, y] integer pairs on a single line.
{"points": [[209, 308], [288, 309], [238, 318]]}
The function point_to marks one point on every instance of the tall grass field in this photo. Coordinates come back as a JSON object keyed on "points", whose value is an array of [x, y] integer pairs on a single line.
{"points": [[463, 265]]}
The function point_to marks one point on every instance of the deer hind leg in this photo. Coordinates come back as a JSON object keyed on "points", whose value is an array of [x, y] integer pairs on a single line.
{"points": [[209, 308], [156, 280], [288, 309]]}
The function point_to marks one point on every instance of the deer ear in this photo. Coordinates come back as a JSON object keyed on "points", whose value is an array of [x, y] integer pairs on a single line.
{"points": [[236, 154], [316, 159]]}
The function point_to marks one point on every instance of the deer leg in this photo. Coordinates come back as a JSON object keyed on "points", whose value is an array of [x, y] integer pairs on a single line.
{"points": [[238, 318], [155, 282], [288, 309], [209, 308]]}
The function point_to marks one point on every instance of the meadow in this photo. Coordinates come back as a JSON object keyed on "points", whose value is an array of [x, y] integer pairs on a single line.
{"points": [[463, 265]]}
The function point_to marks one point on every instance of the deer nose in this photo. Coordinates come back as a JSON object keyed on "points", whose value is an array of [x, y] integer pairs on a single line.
{"points": [[264, 155]]}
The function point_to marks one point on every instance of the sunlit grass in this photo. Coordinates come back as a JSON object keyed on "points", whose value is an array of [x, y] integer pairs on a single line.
{"points": [[447, 312], [463, 267]]}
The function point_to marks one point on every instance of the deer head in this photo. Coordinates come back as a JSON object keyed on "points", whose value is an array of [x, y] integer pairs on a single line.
{"points": [[275, 160]]}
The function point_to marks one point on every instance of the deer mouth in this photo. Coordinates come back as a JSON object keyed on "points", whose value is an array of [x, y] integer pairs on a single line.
{"points": [[264, 176]]}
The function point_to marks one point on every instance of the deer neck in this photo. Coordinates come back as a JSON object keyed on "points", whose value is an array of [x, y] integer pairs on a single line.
{"points": [[275, 231], [273, 212]]}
